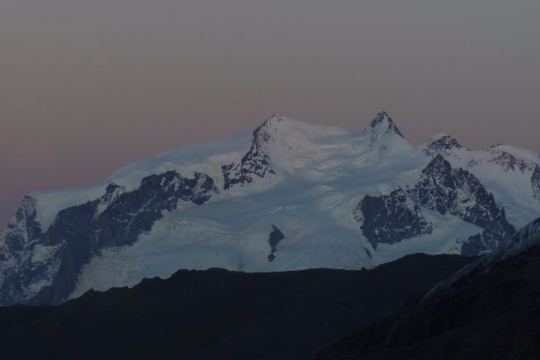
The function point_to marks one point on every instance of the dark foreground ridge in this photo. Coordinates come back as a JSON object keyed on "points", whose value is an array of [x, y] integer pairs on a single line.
{"points": [[217, 314], [490, 311]]}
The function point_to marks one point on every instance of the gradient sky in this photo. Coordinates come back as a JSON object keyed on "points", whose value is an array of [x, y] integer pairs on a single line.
{"points": [[89, 86]]}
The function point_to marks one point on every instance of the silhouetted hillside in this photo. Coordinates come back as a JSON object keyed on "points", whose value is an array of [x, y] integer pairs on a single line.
{"points": [[490, 311], [217, 314]]}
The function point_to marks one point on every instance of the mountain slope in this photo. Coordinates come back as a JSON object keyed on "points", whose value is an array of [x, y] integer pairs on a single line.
{"points": [[488, 310], [340, 198]]}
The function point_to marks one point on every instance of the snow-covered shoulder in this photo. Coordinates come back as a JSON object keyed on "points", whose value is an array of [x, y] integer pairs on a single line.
{"points": [[206, 157]]}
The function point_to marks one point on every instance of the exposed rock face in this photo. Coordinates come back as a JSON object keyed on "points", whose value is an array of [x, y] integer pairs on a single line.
{"points": [[443, 144], [460, 193], [437, 188], [275, 237], [392, 218], [48, 264], [22, 245], [535, 181], [255, 162], [24, 227]]}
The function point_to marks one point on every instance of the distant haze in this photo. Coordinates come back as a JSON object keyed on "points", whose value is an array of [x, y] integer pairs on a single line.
{"points": [[89, 86]]}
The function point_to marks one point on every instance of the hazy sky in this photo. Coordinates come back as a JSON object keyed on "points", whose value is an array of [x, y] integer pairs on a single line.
{"points": [[89, 86]]}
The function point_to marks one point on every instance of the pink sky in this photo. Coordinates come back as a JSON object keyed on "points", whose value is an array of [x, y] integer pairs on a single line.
{"points": [[89, 86]]}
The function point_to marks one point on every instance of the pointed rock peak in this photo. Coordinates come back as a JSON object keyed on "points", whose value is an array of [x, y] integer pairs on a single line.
{"points": [[275, 118], [383, 124]]}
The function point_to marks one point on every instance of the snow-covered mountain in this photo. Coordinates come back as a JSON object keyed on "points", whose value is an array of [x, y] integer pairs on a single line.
{"points": [[286, 196]]}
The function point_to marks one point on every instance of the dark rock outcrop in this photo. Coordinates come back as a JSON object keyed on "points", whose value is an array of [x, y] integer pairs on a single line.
{"points": [[535, 181], [275, 237], [391, 218], [255, 162]]}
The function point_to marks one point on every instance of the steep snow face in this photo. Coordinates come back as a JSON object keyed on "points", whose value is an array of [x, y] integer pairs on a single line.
{"points": [[339, 199]]}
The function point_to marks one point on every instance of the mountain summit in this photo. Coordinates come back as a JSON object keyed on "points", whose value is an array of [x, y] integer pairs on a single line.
{"points": [[383, 124], [286, 195]]}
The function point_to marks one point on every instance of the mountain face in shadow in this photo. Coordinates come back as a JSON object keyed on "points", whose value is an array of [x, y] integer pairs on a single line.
{"points": [[217, 314]]}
